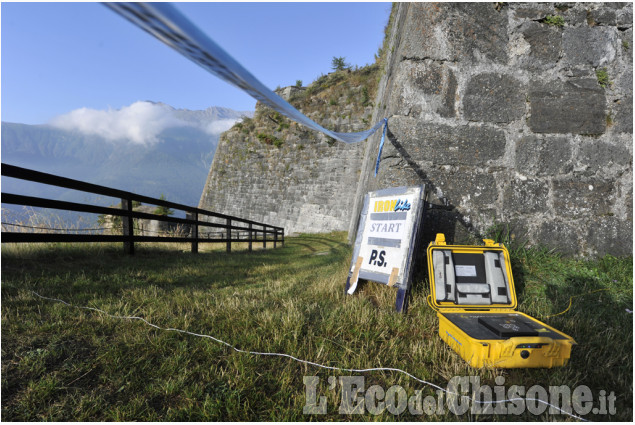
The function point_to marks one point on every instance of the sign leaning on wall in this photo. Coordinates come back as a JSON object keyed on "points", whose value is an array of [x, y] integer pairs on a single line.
{"points": [[386, 242]]}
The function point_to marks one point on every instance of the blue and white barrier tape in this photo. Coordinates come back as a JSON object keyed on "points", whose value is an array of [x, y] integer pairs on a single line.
{"points": [[381, 146], [167, 24]]}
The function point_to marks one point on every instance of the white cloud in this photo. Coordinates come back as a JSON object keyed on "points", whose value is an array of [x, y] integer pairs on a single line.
{"points": [[217, 127], [139, 123]]}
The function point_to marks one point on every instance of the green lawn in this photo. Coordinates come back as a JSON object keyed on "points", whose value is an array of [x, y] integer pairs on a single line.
{"points": [[63, 363]]}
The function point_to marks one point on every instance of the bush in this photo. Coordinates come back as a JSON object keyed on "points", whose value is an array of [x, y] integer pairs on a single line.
{"points": [[554, 20], [269, 140], [283, 125], [603, 77], [365, 96]]}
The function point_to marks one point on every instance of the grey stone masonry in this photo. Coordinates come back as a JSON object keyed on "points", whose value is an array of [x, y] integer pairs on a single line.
{"points": [[289, 177], [514, 113]]}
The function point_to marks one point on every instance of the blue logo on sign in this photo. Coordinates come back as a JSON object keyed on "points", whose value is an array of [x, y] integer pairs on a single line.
{"points": [[402, 205]]}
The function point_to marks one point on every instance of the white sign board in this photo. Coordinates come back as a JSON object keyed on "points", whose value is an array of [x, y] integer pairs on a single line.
{"points": [[386, 238]]}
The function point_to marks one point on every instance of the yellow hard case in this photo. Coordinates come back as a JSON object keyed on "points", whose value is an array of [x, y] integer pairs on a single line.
{"points": [[472, 289]]}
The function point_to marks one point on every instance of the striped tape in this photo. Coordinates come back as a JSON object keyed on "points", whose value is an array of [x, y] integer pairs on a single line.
{"points": [[167, 24]]}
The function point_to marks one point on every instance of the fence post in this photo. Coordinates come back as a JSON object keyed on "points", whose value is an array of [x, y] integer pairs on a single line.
{"points": [[128, 226], [282, 237], [250, 236], [229, 235], [264, 236], [275, 237], [194, 228]]}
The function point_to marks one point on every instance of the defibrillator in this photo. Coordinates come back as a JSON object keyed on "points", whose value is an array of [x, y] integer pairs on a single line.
{"points": [[472, 289]]}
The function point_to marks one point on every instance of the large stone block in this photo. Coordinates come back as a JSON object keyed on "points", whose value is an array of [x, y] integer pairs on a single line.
{"points": [[598, 155], [626, 43], [624, 115], [577, 106], [526, 196], [532, 11], [594, 46], [494, 97], [437, 81], [464, 188], [603, 16], [608, 235], [574, 196], [425, 87], [543, 156], [444, 144], [575, 15], [423, 34], [456, 32], [545, 44], [480, 30], [559, 236], [625, 17]]}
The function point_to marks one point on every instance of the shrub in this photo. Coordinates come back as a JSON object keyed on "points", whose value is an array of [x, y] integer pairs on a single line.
{"points": [[365, 96], [283, 125], [269, 140], [603, 77], [554, 20]]}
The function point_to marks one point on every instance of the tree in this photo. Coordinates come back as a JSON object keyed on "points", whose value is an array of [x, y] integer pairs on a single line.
{"points": [[339, 63], [161, 210], [298, 83]]}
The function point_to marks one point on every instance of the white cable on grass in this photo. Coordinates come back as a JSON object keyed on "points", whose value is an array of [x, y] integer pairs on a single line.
{"points": [[386, 369]]}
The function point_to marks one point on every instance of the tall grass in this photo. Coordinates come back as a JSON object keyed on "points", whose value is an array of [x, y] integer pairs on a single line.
{"points": [[43, 220], [62, 363]]}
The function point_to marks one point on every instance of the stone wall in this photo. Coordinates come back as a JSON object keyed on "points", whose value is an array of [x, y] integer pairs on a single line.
{"points": [[294, 177], [516, 114]]}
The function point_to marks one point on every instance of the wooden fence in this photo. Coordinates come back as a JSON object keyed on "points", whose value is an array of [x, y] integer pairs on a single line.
{"points": [[228, 228]]}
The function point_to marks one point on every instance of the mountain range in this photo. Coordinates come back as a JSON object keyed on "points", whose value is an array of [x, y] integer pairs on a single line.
{"points": [[174, 162]]}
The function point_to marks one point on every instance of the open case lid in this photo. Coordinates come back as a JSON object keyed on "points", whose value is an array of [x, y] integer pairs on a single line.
{"points": [[470, 276]]}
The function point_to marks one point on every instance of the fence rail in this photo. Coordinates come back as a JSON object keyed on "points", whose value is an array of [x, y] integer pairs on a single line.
{"points": [[228, 229]]}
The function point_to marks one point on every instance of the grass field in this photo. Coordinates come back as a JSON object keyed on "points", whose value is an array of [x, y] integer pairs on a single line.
{"points": [[62, 363]]}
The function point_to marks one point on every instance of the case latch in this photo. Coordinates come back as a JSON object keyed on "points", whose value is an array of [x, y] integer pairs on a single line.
{"points": [[440, 239], [489, 242]]}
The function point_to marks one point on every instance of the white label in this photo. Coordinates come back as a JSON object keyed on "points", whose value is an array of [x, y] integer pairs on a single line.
{"points": [[466, 271], [387, 233]]}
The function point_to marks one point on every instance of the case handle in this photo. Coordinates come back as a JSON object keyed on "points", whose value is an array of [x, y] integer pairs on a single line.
{"points": [[525, 342]]}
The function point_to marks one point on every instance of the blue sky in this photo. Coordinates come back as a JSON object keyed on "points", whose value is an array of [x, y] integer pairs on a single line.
{"points": [[59, 57]]}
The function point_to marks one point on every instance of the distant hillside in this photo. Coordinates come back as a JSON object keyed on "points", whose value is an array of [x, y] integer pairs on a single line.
{"points": [[175, 164]]}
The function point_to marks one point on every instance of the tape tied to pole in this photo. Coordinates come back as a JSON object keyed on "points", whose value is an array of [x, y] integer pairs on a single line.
{"points": [[381, 146]]}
